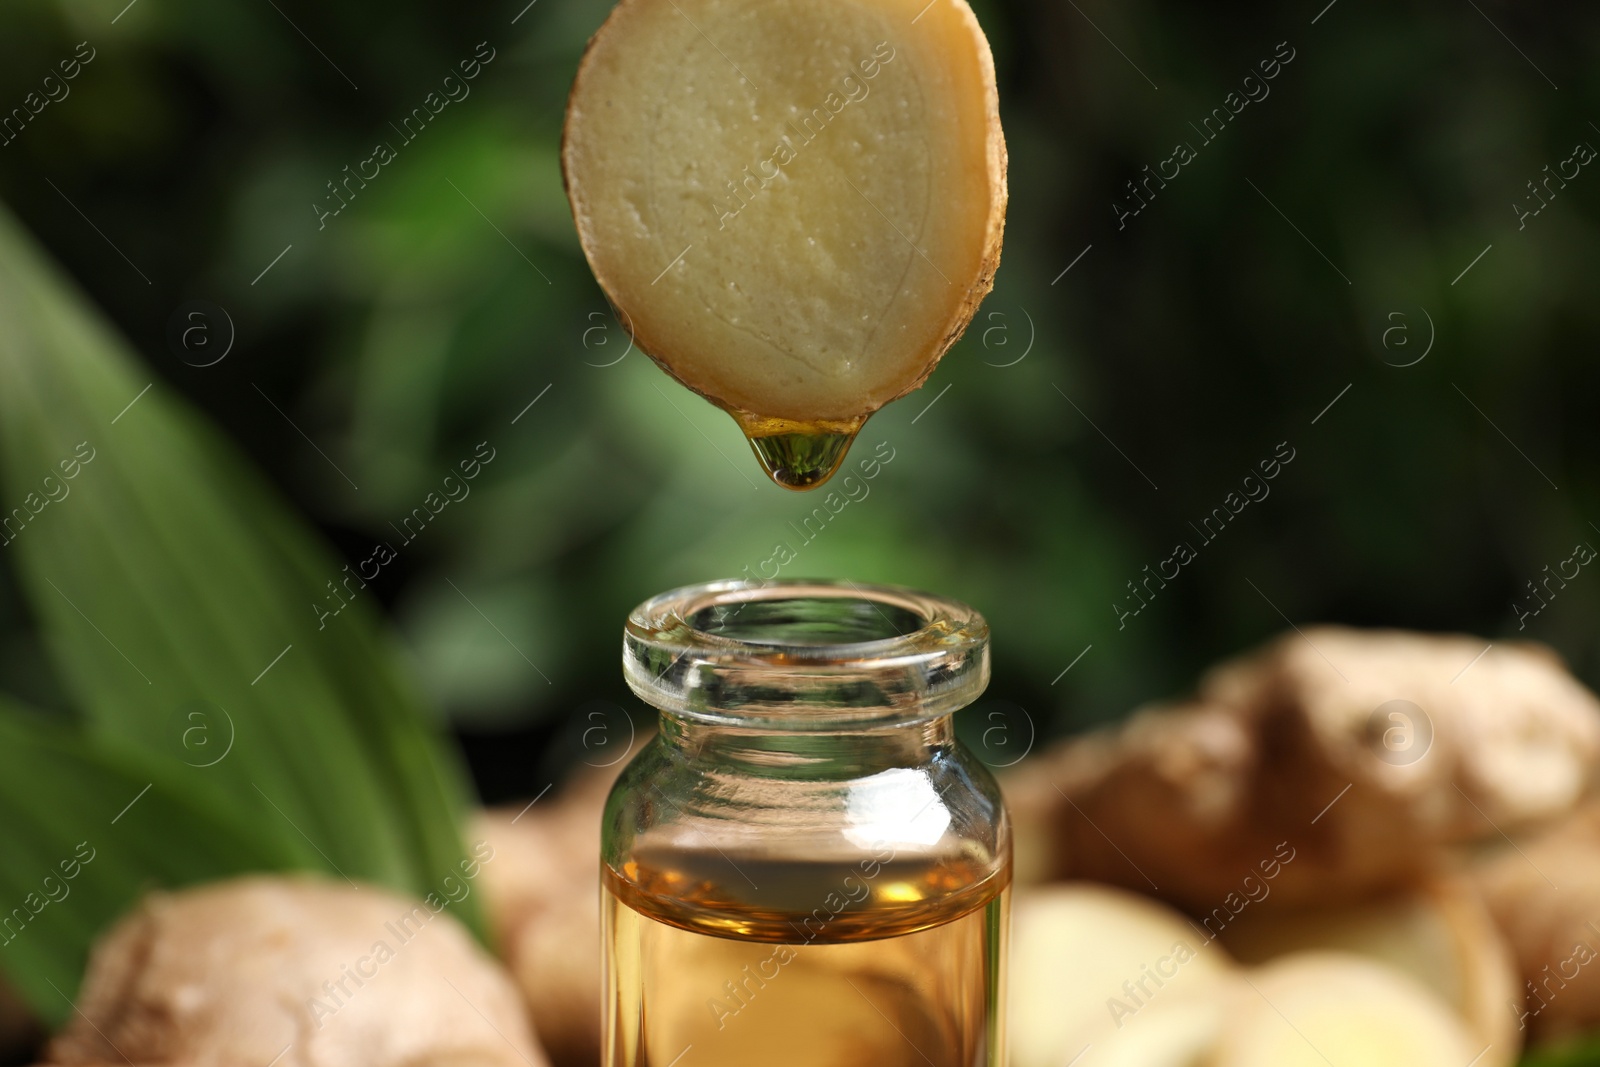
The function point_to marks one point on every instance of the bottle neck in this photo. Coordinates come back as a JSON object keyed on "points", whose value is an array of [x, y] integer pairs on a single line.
{"points": [[776, 752], [805, 656]]}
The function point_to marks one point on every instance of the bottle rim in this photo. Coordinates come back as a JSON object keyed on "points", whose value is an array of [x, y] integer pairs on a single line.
{"points": [[801, 655]]}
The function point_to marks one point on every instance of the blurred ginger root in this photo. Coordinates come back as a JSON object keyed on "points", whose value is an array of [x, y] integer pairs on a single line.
{"points": [[1102, 977], [296, 972], [1365, 752], [1545, 895], [543, 896], [1439, 933], [1318, 797]]}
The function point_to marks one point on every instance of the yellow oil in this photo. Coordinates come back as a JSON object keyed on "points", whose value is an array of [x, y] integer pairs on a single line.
{"points": [[880, 963], [798, 455]]}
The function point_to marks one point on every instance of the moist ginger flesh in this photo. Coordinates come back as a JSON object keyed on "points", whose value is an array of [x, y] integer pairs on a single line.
{"points": [[796, 204]]}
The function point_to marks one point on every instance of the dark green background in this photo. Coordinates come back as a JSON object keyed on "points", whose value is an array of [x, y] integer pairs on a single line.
{"points": [[1196, 339]]}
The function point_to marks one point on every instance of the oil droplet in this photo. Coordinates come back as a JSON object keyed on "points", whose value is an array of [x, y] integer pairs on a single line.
{"points": [[798, 455], [801, 461]]}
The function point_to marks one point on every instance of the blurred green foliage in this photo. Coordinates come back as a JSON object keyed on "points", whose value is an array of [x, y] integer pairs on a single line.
{"points": [[450, 293], [1567, 1054], [168, 586]]}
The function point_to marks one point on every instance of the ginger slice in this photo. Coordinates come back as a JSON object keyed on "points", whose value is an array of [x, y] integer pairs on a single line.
{"points": [[1440, 933], [1093, 965], [796, 205], [1316, 1008]]}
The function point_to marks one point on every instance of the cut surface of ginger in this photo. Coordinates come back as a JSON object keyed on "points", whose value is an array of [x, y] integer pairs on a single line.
{"points": [[1315, 1008], [1439, 932], [795, 205], [1103, 967]]}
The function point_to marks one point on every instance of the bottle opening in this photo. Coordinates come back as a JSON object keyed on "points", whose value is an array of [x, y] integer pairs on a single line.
{"points": [[807, 621], [805, 655]]}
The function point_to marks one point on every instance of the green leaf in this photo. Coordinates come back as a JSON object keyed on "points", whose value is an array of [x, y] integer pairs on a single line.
{"points": [[1584, 1052], [167, 578], [86, 829]]}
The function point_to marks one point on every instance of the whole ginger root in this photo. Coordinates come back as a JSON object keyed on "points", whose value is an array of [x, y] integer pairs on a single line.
{"points": [[296, 972], [543, 896], [1545, 897], [1363, 752]]}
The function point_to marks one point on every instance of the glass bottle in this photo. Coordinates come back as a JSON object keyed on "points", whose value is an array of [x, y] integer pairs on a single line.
{"points": [[805, 867]]}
